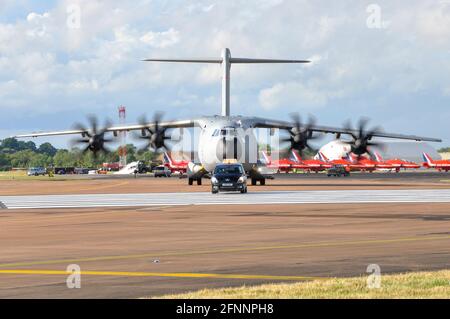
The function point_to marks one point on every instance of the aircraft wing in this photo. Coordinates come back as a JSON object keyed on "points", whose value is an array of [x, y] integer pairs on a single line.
{"points": [[115, 129], [268, 123]]}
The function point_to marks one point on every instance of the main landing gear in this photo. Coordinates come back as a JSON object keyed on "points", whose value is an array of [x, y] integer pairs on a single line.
{"points": [[191, 181], [262, 181]]}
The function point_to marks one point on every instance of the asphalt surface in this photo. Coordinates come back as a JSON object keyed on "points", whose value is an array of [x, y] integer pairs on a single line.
{"points": [[261, 198], [131, 252]]}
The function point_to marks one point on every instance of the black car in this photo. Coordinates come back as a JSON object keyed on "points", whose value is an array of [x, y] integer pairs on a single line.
{"points": [[338, 170], [229, 178]]}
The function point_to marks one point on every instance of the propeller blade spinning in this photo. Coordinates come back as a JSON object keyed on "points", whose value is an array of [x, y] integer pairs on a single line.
{"points": [[301, 134], [153, 133], [361, 138], [93, 137]]}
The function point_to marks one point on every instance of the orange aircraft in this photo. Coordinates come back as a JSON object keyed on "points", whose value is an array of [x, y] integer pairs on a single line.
{"points": [[395, 163], [284, 165], [311, 164], [440, 165], [175, 166], [361, 163], [342, 161]]}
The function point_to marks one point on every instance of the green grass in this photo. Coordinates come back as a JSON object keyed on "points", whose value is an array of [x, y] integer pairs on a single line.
{"points": [[396, 286], [22, 176]]}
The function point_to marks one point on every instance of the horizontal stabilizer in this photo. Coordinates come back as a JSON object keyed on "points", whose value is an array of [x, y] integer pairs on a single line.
{"points": [[245, 60], [199, 60]]}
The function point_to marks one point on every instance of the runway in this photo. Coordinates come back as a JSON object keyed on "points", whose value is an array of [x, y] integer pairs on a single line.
{"points": [[202, 198], [139, 237]]}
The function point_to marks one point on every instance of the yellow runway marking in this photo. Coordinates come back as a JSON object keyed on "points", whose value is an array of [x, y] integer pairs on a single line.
{"points": [[229, 250], [155, 274]]}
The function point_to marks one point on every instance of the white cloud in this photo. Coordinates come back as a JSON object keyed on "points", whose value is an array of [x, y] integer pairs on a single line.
{"points": [[44, 61], [292, 94], [162, 39]]}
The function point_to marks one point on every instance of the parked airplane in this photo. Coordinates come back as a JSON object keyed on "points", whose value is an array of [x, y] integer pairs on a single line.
{"points": [[440, 165], [284, 165], [340, 161], [361, 163], [394, 164], [224, 136], [311, 165], [175, 166]]}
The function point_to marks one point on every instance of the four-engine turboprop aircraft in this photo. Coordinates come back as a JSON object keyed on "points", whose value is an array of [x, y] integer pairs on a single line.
{"points": [[224, 136]]}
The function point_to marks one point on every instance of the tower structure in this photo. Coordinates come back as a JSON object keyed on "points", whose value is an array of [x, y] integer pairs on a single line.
{"points": [[123, 137]]}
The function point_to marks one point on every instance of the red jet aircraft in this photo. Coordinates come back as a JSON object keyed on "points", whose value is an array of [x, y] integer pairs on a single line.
{"points": [[284, 165], [395, 163], [311, 164], [440, 165], [175, 166]]}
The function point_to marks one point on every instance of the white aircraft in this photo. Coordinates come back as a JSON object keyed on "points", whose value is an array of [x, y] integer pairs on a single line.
{"points": [[225, 136]]}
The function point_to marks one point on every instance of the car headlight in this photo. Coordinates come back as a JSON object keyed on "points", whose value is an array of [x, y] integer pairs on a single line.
{"points": [[242, 179], [214, 180]]}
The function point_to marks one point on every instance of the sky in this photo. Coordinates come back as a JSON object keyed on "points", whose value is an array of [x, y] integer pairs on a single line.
{"points": [[387, 60]]}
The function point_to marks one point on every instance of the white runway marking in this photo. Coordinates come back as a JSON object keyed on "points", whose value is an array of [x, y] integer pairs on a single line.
{"points": [[252, 198]]}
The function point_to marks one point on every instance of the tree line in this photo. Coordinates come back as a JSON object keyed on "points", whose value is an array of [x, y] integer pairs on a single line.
{"points": [[20, 154]]}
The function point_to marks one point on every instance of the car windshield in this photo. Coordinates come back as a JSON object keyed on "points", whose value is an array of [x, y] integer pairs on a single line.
{"points": [[229, 169]]}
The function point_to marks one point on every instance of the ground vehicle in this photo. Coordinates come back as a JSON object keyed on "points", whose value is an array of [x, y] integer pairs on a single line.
{"points": [[338, 170], [229, 177], [36, 171], [81, 170], [161, 171]]}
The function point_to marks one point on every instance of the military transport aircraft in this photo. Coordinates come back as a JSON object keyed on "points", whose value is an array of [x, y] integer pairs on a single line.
{"points": [[224, 136]]}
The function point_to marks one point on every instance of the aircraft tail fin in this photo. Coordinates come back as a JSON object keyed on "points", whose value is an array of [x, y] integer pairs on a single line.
{"points": [[167, 158], [427, 158], [323, 157], [296, 156], [226, 60], [266, 157], [351, 157], [378, 157]]}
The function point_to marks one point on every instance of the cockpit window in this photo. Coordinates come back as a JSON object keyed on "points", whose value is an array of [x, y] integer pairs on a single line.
{"points": [[228, 131], [216, 132]]}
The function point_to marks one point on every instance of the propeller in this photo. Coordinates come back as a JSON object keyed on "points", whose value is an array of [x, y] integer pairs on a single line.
{"points": [[361, 137], [93, 137], [301, 134], [153, 133]]}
